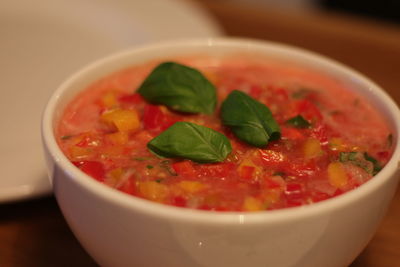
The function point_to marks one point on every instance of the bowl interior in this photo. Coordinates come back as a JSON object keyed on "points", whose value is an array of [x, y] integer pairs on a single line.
{"points": [[218, 48]]}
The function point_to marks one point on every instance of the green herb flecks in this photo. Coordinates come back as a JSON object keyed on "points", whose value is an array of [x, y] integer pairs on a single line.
{"points": [[191, 141], [66, 137], [179, 87], [377, 166], [299, 122], [250, 120], [362, 160], [166, 165], [142, 158]]}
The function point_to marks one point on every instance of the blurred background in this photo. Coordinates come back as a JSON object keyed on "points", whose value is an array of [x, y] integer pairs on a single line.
{"points": [[383, 10]]}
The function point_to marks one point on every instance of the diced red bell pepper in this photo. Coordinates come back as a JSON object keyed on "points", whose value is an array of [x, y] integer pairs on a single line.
{"points": [[184, 168], [155, 119], [93, 168], [294, 194], [179, 201], [131, 99]]}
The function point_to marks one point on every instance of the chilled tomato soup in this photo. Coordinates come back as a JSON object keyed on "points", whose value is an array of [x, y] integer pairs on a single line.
{"points": [[238, 133]]}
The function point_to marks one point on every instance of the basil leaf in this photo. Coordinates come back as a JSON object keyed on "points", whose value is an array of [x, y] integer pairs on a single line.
{"points": [[179, 87], [250, 120], [191, 141], [298, 122]]}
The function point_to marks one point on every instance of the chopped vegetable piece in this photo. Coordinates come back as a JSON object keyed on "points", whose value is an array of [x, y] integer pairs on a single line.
{"points": [[153, 191], [92, 168], [184, 168], [122, 119], [252, 204], [337, 176], [312, 148], [191, 186]]}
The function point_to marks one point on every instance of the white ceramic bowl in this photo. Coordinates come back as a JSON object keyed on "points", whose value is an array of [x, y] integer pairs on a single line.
{"points": [[120, 230]]}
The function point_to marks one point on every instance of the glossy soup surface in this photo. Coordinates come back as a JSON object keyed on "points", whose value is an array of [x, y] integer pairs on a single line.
{"points": [[343, 145]]}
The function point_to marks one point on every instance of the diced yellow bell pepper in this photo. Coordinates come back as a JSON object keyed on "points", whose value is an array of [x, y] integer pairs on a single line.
{"points": [[272, 195], [123, 119], [118, 138], [191, 186], [337, 175], [114, 176], [247, 169], [312, 148], [109, 99], [153, 191], [77, 152], [252, 204]]}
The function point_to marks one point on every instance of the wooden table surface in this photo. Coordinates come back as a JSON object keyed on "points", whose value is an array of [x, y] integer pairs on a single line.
{"points": [[34, 233]]}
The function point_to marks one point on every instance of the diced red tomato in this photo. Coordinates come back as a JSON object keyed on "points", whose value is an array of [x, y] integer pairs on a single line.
{"points": [[273, 182], [179, 201], [204, 207], [282, 94], [292, 133], [92, 168], [128, 187], [320, 133], [300, 169], [246, 172], [218, 170], [309, 110], [271, 158], [294, 202], [184, 168], [319, 196], [294, 194], [384, 155], [255, 91], [131, 99]]}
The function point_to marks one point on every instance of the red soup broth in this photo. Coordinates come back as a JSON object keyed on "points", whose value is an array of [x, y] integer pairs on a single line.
{"points": [[346, 143]]}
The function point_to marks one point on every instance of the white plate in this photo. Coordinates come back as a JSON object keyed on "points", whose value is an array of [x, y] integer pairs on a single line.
{"points": [[42, 42]]}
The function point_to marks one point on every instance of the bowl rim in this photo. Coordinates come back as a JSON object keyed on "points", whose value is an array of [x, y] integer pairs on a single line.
{"points": [[168, 212]]}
